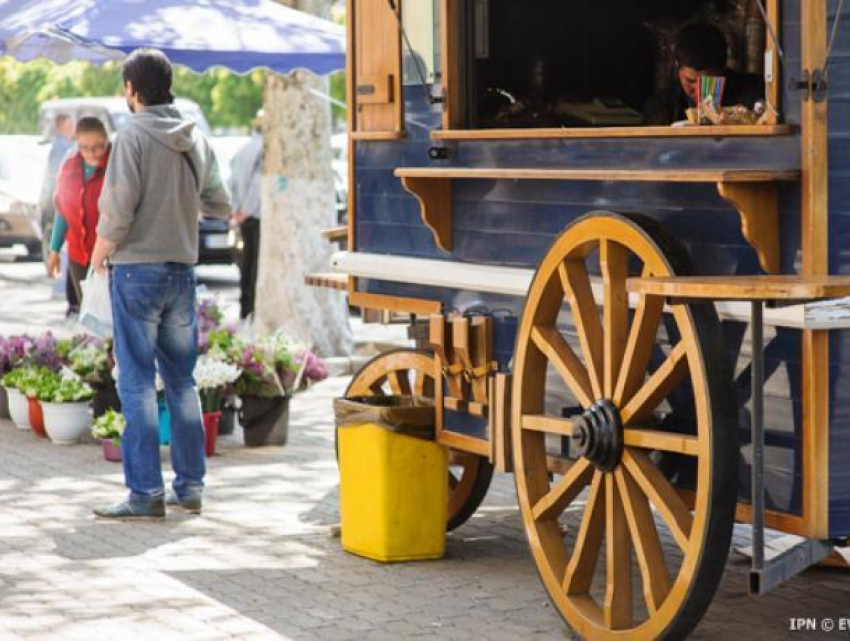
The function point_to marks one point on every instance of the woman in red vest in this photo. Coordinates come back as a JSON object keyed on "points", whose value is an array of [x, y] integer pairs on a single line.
{"points": [[78, 189]]}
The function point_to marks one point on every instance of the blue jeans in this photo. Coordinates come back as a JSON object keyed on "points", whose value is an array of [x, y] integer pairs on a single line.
{"points": [[155, 327]]}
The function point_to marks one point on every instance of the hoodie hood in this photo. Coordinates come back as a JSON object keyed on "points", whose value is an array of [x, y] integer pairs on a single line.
{"points": [[165, 124]]}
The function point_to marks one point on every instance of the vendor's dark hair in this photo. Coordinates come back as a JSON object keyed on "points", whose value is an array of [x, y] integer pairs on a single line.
{"points": [[701, 46], [150, 72], [91, 125]]}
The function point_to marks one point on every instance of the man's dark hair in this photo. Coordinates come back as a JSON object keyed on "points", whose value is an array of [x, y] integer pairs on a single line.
{"points": [[150, 72], [701, 46], [60, 120], [91, 125]]}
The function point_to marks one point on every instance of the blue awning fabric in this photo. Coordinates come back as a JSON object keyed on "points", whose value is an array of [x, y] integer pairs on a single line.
{"points": [[240, 35]]}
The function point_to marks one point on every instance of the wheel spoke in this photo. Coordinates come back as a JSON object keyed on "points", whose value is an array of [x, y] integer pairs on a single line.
{"points": [[578, 292], [614, 263], [664, 441], [618, 592], [669, 374], [647, 545], [549, 341], [579, 574], [662, 495], [377, 388], [638, 348], [565, 491], [463, 485], [547, 424], [423, 385], [400, 382]]}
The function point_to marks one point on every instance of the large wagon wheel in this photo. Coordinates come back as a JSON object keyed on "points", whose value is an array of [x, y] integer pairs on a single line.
{"points": [[616, 440], [407, 371]]}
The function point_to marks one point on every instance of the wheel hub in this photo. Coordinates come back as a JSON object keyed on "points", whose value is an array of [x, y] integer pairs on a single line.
{"points": [[598, 435]]}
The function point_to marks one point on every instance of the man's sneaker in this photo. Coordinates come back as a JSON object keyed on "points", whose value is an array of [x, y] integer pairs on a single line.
{"points": [[126, 511], [191, 504]]}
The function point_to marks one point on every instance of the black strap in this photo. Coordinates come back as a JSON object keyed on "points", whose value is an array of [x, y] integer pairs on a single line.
{"points": [[194, 171]]}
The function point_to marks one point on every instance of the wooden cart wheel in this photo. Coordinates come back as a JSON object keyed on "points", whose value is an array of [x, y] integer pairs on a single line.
{"points": [[406, 371], [610, 374]]}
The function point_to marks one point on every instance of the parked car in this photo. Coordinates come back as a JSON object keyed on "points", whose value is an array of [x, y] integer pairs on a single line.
{"points": [[218, 243], [22, 162]]}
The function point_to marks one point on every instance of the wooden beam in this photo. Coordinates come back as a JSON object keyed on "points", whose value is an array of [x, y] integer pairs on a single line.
{"points": [[604, 174], [815, 261], [708, 131], [451, 61], [338, 282], [515, 281], [417, 306], [464, 443]]}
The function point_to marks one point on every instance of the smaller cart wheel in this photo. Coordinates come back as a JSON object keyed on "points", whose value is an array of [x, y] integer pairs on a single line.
{"points": [[407, 371]]}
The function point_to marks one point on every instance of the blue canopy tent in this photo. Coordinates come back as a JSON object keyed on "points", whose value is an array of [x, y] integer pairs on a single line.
{"points": [[240, 35]]}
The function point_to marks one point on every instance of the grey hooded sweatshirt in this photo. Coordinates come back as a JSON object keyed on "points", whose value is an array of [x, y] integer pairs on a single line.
{"points": [[151, 200]]}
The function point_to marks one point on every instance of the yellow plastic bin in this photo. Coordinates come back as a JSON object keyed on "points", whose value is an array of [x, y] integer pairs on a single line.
{"points": [[393, 479]]}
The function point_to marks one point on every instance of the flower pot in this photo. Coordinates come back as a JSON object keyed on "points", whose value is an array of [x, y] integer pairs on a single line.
{"points": [[265, 421], [211, 422], [227, 423], [111, 450], [164, 422], [105, 398], [66, 423], [4, 403], [18, 409], [36, 416]]}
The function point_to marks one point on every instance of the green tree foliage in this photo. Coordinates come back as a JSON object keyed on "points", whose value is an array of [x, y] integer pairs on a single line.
{"points": [[228, 100]]}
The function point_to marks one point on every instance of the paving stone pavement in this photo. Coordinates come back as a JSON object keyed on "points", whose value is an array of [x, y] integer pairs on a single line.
{"points": [[260, 563]]}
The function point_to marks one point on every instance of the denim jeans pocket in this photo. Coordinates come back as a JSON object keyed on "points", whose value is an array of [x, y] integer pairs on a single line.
{"points": [[142, 290]]}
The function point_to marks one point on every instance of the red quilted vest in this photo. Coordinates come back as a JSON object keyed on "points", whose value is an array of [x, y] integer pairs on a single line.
{"points": [[77, 199]]}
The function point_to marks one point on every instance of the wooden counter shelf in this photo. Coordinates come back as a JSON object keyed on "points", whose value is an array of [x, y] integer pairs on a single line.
{"points": [[550, 133], [752, 192], [748, 288]]}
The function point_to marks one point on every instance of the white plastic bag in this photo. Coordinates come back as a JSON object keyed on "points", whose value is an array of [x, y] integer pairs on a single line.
{"points": [[96, 308]]}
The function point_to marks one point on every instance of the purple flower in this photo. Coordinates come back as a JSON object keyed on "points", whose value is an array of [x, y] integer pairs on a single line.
{"points": [[314, 369]]}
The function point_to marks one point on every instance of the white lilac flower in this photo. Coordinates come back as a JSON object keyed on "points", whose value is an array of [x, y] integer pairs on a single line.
{"points": [[211, 373]]}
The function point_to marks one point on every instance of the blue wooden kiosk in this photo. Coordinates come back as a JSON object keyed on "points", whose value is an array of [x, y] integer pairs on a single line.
{"points": [[510, 237]]}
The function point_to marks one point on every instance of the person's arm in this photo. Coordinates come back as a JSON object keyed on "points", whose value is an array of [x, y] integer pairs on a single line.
{"points": [[103, 249], [122, 191], [60, 230], [215, 201], [57, 239]]}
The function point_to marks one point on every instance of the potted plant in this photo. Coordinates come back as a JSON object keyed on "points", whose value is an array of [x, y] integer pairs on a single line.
{"points": [[108, 428], [264, 414], [212, 376], [92, 361], [13, 352], [66, 410], [38, 382], [18, 405], [223, 343]]}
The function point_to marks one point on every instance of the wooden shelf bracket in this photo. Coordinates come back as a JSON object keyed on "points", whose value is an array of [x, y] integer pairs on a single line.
{"points": [[435, 200], [757, 204]]}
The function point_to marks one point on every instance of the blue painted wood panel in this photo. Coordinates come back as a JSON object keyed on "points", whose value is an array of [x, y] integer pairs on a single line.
{"points": [[839, 262], [514, 223]]}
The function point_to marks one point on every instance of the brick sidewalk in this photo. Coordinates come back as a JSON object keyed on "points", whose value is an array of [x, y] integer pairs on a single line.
{"points": [[260, 562]]}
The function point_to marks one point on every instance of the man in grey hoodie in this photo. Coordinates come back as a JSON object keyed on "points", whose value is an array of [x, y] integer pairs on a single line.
{"points": [[161, 174]]}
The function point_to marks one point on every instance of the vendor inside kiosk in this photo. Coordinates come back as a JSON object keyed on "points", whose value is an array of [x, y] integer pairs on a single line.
{"points": [[552, 63]]}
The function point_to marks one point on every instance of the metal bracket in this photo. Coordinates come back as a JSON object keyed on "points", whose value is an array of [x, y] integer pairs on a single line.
{"points": [[814, 84], [787, 564], [438, 153]]}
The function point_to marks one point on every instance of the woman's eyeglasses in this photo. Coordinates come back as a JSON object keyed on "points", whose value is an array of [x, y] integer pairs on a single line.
{"points": [[92, 149]]}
